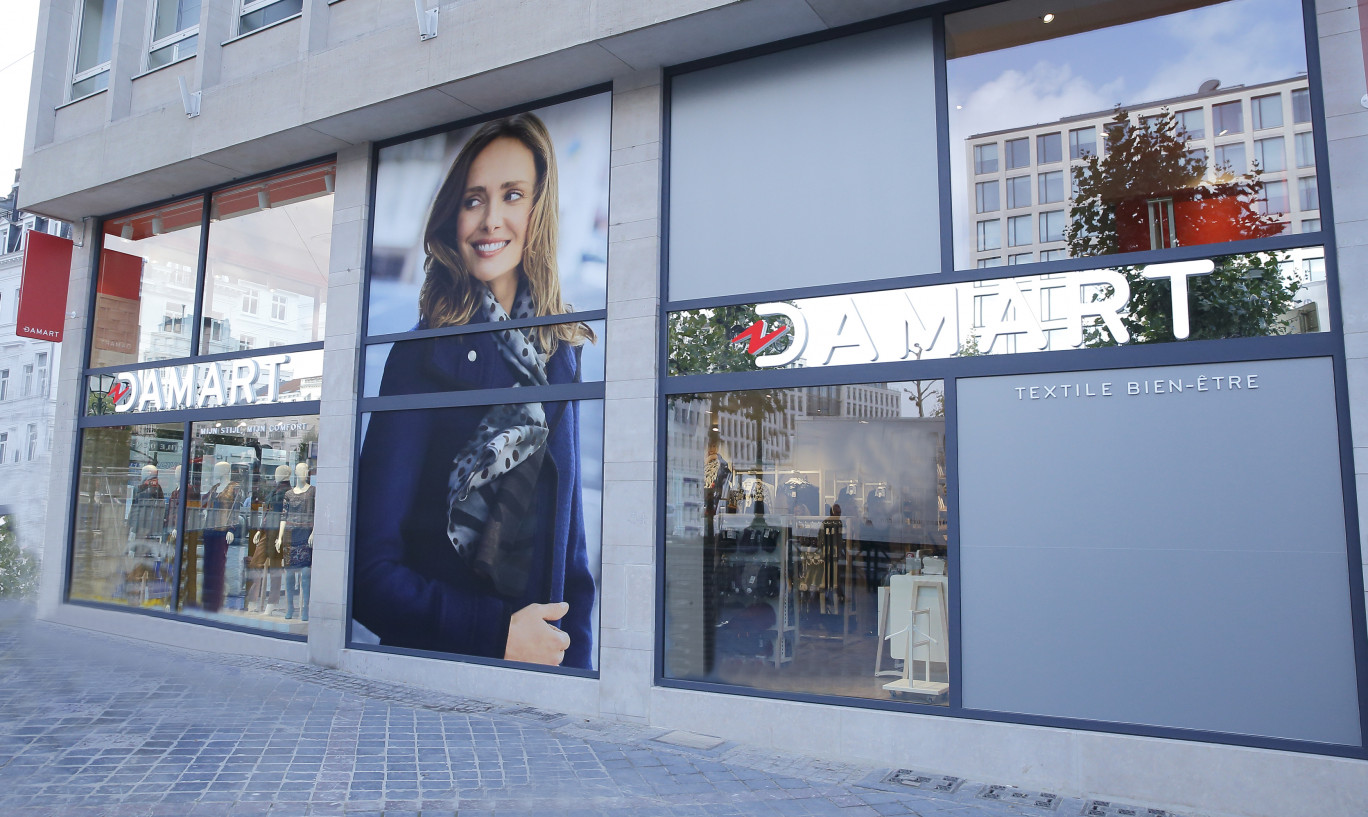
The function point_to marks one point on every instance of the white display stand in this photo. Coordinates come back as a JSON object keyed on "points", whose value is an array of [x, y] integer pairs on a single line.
{"points": [[915, 623]]}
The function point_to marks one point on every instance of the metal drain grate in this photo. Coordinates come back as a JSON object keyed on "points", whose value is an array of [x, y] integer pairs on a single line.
{"points": [[689, 740], [1020, 797], [1102, 808], [921, 780]]}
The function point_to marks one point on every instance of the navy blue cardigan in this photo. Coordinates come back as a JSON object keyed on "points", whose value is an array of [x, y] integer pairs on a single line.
{"points": [[409, 586]]}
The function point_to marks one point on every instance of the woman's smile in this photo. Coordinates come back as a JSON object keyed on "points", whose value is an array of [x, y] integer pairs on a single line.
{"points": [[489, 249]]}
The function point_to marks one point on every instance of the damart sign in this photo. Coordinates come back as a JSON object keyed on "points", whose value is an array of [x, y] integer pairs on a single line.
{"points": [[239, 382], [1032, 313]]}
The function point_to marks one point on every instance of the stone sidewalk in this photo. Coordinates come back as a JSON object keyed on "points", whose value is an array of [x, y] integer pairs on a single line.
{"points": [[96, 726]]}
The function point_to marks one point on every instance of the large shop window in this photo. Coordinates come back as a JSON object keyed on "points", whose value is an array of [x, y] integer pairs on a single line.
{"points": [[957, 493], [1151, 81], [267, 283], [198, 450], [479, 487], [805, 540]]}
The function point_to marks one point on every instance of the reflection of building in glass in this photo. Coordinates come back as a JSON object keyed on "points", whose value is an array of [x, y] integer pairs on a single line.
{"points": [[691, 423], [1021, 178], [28, 374]]}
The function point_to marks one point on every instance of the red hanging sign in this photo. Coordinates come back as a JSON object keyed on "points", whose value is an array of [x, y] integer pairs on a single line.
{"points": [[43, 290]]}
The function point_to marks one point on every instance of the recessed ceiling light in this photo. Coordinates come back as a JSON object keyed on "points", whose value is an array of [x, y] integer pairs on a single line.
{"points": [[1049, 17]]}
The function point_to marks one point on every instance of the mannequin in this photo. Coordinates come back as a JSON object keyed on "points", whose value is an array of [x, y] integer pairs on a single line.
{"points": [[171, 519], [266, 550], [144, 519], [297, 546], [220, 511]]}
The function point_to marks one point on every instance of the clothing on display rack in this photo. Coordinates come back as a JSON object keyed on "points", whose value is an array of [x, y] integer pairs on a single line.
{"points": [[874, 534], [220, 518], [802, 496], [146, 516]]}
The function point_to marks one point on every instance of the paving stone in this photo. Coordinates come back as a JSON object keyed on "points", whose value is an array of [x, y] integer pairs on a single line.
{"points": [[110, 727]]}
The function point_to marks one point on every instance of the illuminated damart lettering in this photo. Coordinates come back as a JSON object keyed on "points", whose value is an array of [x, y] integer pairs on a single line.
{"points": [[242, 382], [1030, 313]]}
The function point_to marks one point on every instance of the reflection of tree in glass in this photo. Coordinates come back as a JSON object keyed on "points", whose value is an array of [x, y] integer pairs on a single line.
{"points": [[18, 567], [700, 342], [1149, 192]]}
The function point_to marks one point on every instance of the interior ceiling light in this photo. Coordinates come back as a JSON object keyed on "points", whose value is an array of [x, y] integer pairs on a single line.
{"points": [[263, 199], [1049, 17], [157, 225], [127, 232]]}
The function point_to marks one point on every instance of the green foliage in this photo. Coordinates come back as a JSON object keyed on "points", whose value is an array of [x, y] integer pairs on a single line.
{"points": [[700, 343], [700, 340], [1244, 297], [18, 567]]}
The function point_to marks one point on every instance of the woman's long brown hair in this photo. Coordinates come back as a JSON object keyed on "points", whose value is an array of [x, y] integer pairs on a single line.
{"points": [[450, 296]]}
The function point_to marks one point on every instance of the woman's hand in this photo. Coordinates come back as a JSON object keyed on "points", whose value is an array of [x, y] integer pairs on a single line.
{"points": [[532, 639]]}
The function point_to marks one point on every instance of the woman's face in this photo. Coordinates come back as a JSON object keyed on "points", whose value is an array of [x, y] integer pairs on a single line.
{"points": [[491, 225]]}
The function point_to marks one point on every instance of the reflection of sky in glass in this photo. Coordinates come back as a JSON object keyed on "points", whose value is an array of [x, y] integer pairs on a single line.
{"points": [[410, 174], [1244, 42]]}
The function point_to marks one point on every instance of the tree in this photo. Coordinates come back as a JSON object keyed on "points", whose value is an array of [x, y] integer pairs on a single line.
{"points": [[18, 567], [700, 342], [1150, 192]]}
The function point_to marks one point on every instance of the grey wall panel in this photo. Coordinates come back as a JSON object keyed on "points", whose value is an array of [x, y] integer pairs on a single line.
{"points": [[811, 166], [1173, 559]]}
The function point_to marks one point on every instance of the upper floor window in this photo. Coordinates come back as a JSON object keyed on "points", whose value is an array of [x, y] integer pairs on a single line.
{"points": [[1228, 118], [26, 385], [41, 361], [986, 196], [175, 31], [1193, 123], [1266, 111], [986, 158], [260, 13], [1301, 106], [4, 384], [1082, 143], [1018, 153], [1049, 148], [94, 43]]}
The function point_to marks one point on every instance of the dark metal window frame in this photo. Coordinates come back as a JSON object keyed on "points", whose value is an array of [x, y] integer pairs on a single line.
{"points": [[1326, 344], [186, 417], [432, 400]]}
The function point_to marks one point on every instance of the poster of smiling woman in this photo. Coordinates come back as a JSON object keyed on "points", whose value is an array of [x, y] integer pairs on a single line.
{"points": [[478, 520]]}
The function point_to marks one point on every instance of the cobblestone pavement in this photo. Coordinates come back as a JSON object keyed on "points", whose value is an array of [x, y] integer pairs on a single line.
{"points": [[96, 726]]}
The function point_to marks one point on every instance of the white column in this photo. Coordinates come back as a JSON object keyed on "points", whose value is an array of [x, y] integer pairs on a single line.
{"points": [[337, 409], [1345, 177], [626, 653]]}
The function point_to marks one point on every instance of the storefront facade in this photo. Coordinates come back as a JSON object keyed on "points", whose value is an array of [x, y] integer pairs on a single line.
{"points": [[666, 371]]}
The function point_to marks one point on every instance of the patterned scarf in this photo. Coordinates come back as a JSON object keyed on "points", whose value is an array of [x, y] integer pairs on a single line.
{"points": [[489, 493]]}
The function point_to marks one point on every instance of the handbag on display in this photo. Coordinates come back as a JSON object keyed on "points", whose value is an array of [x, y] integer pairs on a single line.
{"points": [[767, 582]]}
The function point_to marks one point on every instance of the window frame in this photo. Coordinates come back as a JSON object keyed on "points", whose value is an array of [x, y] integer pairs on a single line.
{"points": [[154, 44]]}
